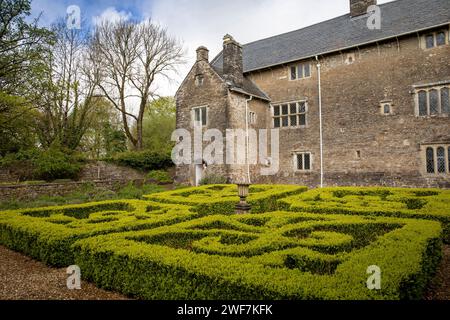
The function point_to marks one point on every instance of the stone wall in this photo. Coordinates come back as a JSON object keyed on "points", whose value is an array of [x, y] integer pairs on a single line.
{"points": [[362, 146], [92, 171], [107, 171], [23, 192], [212, 94]]}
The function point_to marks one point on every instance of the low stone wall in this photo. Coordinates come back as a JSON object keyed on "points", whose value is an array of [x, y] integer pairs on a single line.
{"points": [[92, 171], [101, 170], [30, 192]]}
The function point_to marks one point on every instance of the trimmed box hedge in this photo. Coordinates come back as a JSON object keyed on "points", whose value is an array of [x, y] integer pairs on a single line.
{"points": [[48, 233], [186, 244], [222, 199], [431, 204], [277, 255]]}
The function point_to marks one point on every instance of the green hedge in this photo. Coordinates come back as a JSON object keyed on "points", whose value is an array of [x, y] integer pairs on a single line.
{"points": [[186, 244], [48, 233], [222, 199], [143, 160], [230, 257], [431, 204]]}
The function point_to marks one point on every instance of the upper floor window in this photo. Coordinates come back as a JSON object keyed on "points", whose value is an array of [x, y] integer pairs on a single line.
{"points": [[437, 159], [300, 71], [290, 114], [200, 116], [436, 39], [302, 161], [433, 101], [386, 107], [199, 80], [252, 117]]}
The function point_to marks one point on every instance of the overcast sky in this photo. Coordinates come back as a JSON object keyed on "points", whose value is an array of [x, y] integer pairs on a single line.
{"points": [[204, 22]]}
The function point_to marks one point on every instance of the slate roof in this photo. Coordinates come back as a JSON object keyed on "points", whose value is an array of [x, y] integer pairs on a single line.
{"points": [[400, 17]]}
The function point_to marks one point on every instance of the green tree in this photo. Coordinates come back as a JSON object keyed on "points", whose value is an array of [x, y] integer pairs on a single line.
{"points": [[22, 47], [158, 125], [105, 136]]}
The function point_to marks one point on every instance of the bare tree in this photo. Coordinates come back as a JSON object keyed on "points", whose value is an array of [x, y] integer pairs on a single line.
{"points": [[69, 85], [131, 57]]}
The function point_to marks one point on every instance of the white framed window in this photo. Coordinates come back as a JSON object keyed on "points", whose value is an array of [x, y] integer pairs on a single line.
{"points": [[386, 107], [303, 161], [432, 100], [252, 117], [437, 159], [291, 114], [200, 116], [300, 71]]}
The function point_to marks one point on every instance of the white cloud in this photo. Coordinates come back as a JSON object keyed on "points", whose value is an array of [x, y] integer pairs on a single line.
{"points": [[200, 22], [111, 14]]}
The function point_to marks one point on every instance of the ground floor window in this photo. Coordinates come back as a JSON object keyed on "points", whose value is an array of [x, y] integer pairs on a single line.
{"points": [[302, 161], [437, 159]]}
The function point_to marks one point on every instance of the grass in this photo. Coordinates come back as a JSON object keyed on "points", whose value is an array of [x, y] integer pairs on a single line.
{"points": [[85, 193]]}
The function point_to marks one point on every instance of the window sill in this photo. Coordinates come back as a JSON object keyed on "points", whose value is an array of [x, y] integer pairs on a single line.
{"points": [[292, 128], [300, 79]]}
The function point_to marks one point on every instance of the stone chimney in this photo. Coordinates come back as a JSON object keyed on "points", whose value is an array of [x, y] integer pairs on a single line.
{"points": [[202, 54], [359, 7], [233, 70]]}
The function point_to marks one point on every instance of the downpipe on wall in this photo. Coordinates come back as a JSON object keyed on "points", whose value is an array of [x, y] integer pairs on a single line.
{"points": [[320, 120], [247, 140]]}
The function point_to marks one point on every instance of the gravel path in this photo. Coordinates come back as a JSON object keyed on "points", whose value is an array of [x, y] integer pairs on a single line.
{"points": [[22, 278], [440, 286]]}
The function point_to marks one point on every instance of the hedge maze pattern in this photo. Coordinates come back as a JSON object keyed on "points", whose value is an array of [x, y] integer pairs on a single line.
{"points": [[296, 244]]}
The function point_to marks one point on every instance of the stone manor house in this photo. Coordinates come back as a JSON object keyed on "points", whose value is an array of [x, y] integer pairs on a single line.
{"points": [[354, 105]]}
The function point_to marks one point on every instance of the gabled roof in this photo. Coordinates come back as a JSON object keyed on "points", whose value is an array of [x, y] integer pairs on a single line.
{"points": [[248, 87], [399, 18]]}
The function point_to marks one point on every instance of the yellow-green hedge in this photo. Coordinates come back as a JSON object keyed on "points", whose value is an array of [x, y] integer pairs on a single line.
{"points": [[48, 233], [222, 199], [282, 256], [186, 244], [431, 204]]}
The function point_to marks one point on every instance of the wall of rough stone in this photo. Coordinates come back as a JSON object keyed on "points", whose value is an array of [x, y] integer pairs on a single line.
{"points": [[24, 192], [98, 170], [361, 145], [389, 146], [212, 94]]}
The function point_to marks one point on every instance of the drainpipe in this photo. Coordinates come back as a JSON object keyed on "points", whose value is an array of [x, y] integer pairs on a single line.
{"points": [[247, 138], [320, 121]]}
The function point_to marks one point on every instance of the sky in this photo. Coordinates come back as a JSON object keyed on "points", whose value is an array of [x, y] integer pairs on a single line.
{"points": [[203, 22]]}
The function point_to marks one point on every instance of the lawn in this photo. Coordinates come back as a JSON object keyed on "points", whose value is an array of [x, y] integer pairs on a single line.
{"points": [[295, 244]]}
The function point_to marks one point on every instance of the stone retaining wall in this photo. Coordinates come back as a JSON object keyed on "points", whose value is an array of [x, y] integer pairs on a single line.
{"points": [[29, 192]]}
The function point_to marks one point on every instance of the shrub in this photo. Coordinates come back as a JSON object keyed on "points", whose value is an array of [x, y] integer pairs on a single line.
{"points": [[159, 176], [55, 164], [144, 160]]}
